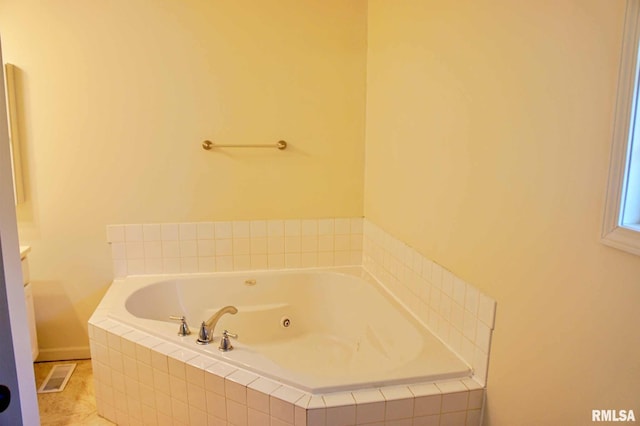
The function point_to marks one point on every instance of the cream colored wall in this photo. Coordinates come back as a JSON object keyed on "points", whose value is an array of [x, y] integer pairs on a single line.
{"points": [[488, 133], [118, 96]]}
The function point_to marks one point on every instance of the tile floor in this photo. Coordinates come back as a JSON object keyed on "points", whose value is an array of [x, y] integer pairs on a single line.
{"points": [[76, 404]]}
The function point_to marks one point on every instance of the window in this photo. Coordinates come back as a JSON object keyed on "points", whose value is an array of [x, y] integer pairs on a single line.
{"points": [[621, 228]]}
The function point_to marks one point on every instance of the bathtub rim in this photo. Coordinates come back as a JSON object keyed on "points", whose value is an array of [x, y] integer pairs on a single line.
{"points": [[140, 281]]}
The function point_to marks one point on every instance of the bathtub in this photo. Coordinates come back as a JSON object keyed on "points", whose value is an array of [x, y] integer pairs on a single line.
{"points": [[317, 330]]}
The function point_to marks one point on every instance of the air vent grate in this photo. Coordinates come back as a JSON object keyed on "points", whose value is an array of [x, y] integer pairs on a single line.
{"points": [[57, 378]]}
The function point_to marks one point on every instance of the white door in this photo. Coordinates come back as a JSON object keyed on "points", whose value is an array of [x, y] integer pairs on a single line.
{"points": [[16, 368]]}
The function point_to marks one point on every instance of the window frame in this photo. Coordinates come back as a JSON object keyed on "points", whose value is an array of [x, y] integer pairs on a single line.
{"points": [[614, 233]]}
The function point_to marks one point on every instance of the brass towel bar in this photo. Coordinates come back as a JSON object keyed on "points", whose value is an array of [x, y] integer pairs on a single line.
{"points": [[208, 145]]}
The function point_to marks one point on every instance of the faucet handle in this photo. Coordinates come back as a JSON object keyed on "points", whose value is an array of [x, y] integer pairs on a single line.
{"points": [[184, 328], [225, 344], [205, 336]]}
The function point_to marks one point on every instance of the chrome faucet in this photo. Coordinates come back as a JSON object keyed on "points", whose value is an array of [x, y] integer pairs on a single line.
{"points": [[206, 329]]}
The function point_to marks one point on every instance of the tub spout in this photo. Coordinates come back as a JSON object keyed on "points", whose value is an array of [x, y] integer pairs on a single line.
{"points": [[206, 329]]}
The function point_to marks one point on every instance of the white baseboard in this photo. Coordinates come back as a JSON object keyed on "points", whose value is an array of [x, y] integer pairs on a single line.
{"points": [[64, 354]]}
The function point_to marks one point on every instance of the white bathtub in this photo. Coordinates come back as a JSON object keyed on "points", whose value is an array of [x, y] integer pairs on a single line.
{"points": [[345, 331]]}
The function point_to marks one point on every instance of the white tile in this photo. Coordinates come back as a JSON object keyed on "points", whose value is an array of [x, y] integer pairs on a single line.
{"points": [[427, 405], [275, 245], [135, 266], [487, 310], [292, 260], [152, 249], [424, 389], [135, 249], [206, 248], [217, 405], [292, 228], [242, 377], [317, 417], [325, 259], [241, 229], [309, 260], [118, 250], [171, 265], [180, 411], [188, 264], [223, 230], [115, 233], [169, 231], [257, 418], [241, 246], [474, 418], [224, 263], [258, 400], [287, 394], [471, 384], [357, 225], [325, 226], [309, 227], [153, 266], [427, 421], [188, 248], [206, 264], [281, 409], [453, 419], [447, 283], [483, 337], [258, 228], [469, 326], [205, 231], [451, 386], [480, 365], [292, 244], [161, 382], [370, 412], [235, 391], [170, 249], [197, 415], [241, 262], [459, 290], [275, 228], [179, 389], [338, 399], [188, 231], [300, 416], [341, 242], [259, 261], [309, 243], [436, 276], [325, 243], [366, 396], [151, 232], [264, 385], [454, 401], [341, 416], [224, 247], [399, 409], [476, 399], [342, 226], [133, 233], [276, 261], [259, 245], [472, 299]]}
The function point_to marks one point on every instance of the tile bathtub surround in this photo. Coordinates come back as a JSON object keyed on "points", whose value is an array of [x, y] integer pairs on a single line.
{"points": [[455, 311], [140, 379], [234, 245]]}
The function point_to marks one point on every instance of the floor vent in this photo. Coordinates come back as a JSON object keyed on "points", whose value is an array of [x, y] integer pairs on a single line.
{"points": [[57, 378]]}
